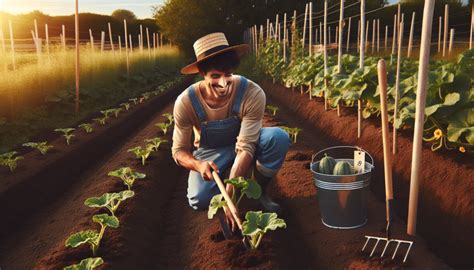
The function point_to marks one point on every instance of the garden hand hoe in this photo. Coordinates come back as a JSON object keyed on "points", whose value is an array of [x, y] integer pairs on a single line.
{"points": [[231, 206], [382, 74]]}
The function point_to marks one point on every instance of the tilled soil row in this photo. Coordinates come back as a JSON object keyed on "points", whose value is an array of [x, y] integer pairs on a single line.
{"points": [[445, 211], [44, 178]]}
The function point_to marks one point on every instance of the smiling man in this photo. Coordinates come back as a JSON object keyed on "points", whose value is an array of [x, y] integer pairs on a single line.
{"points": [[225, 112]]}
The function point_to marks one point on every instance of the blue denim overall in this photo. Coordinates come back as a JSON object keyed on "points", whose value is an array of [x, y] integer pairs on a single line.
{"points": [[217, 144]]}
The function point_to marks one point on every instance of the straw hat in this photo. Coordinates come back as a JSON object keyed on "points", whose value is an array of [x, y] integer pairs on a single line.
{"points": [[209, 46]]}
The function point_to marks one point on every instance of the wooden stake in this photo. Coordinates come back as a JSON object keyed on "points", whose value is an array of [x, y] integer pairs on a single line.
{"points": [[76, 23], [410, 39], [276, 28], [329, 34], [373, 35], [131, 43], [472, 27], [320, 32], [36, 31], [367, 35], [339, 46], [268, 29], [102, 41], [451, 38], [47, 38], [386, 37], [325, 55], [378, 35], [140, 39], [395, 26], [416, 164], [304, 25], [397, 88], [12, 44], [358, 36], [284, 38], [91, 37], [120, 44], [348, 34], [148, 42], [126, 46], [361, 64], [310, 30], [64, 37], [336, 35], [111, 39], [446, 13], [439, 34]]}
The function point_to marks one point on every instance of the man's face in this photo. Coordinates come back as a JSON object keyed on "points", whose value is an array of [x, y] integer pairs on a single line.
{"points": [[219, 82]]}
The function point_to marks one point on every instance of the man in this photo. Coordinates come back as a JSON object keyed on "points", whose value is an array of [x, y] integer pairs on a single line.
{"points": [[225, 112]]}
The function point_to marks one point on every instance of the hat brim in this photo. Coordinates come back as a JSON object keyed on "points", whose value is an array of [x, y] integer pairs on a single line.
{"points": [[193, 67]]}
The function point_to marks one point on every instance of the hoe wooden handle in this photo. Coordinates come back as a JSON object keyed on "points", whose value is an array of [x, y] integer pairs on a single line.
{"points": [[382, 75], [227, 198]]}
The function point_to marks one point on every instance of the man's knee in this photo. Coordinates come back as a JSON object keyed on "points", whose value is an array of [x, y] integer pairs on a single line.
{"points": [[199, 202], [275, 137], [200, 192]]}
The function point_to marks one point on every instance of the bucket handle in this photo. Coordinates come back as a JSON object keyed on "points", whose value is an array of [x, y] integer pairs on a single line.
{"points": [[338, 147]]}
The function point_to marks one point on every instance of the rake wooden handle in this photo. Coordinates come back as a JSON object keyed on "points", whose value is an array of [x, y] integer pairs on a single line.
{"points": [[227, 198], [387, 158]]}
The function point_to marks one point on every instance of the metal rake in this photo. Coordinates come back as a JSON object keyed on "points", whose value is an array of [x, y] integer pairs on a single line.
{"points": [[388, 241]]}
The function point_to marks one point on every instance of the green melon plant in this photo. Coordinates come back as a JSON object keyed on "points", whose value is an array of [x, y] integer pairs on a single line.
{"points": [[111, 201], [116, 112], [86, 264], [127, 175], [141, 153], [87, 127], [67, 133], [274, 109], [154, 143], [247, 187], [163, 126], [107, 112], [257, 224], [9, 160], [170, 117], [126, 105], [43, 147], [293, 132], [134, 100], [101, 120], [93, 237]]}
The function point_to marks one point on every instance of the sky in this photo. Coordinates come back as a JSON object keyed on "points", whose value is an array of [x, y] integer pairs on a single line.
{"points": [[141, 8]]}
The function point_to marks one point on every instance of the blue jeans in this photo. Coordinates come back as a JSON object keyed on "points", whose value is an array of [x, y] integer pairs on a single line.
{"points": [[270, 153]]}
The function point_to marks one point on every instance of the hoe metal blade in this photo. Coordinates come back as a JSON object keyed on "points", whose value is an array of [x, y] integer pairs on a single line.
{"points": [[387, 243]]}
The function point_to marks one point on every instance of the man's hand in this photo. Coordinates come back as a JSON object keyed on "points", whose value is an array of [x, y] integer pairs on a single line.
{"points": [[230, 218], [205, 168]]}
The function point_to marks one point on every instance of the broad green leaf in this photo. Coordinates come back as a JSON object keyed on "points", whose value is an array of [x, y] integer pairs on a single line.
{"points": [[270, 222], [81, 237], [216, 203], [101, 201], [449, 100], [250, 225], [120, 172], [461, 125], [86, 264], [123, 195], [106, 220]]}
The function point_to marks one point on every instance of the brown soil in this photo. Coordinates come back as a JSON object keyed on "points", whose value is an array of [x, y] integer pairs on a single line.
{"points": [[158, 230], [445, 211]]}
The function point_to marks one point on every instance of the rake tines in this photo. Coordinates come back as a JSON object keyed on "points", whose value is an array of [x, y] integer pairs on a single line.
{"points": [[387, 243]]}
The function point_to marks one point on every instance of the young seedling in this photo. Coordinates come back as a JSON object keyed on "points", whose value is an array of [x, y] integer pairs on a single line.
{"points": [[111, 201], [86, 264], [67, 133], [247, 187], [93, 237], [9, 160], [145, 96], [256, 224], [125, 105], [101, 121], [43, 147], [87, 127], [293, 132], [155, 143], [134, 100], [170, 117], [273, 109], [107, 112], [163, 126], [127, 175], [116, 112], [141, 153]]}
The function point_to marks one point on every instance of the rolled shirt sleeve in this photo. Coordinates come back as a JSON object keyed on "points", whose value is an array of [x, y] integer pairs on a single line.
{"points": [[183, 127], [252, 112]]}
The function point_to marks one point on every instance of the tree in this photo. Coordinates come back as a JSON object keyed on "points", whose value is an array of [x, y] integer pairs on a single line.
{"points": [[123, 14]]}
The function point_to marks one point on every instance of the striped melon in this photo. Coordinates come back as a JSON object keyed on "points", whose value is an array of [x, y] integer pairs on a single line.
{"points": [[343, 168], [326, 165]]}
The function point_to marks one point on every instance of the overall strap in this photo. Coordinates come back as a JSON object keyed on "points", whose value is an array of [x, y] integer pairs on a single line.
{"points": [[196, 104], [239, 95]]}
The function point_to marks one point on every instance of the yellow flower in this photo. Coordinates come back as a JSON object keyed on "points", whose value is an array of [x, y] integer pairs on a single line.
{"points": [[462, 149], [438, 133]]}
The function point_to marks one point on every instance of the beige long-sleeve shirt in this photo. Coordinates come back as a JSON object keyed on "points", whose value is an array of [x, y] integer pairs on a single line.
{"points": [[251, 114]]}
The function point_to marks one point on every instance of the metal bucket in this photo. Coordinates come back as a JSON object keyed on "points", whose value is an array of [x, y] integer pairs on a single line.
{"points": [[343, 198]]}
